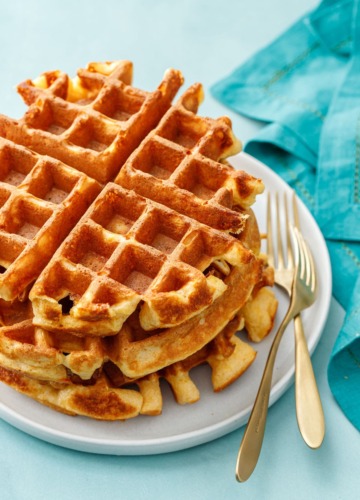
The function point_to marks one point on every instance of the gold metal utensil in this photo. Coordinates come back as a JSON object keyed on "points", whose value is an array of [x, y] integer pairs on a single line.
{"points": [[302, 283], [309, 410]]}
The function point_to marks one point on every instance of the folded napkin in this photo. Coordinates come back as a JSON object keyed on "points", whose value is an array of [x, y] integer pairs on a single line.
{"points": [[306, 87]]}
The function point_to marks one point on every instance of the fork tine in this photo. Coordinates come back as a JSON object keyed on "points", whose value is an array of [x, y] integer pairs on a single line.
{"points": [[295, 211], [306, 252], [306, 264], [302, 256], [313, 272], [280, 253], [299, 252], [311, 279], [269, 235], [308, 274], [290, 252], [311, 263]]}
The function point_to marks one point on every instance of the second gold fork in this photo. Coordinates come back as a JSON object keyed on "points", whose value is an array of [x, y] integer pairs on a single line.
{"points": [[302, 277], [309, 411]]}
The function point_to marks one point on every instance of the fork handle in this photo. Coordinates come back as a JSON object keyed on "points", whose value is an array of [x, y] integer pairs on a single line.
{"points": [[251, 444], [309, 410]]}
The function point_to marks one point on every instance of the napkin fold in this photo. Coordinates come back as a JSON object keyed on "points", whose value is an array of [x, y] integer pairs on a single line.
{"points": [[306, 87]]}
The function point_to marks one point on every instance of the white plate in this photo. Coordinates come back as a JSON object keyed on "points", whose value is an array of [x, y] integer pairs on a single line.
{"points": [[215, 415]]}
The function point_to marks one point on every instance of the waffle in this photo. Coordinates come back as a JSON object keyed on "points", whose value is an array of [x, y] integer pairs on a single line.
{"points": [[138, 354], [128, 249], [136, 259], [98, 402], [56, 356], [41, 199], [43, 364], [92, 122], [59, 356], [81, 89], [178, 165], [112, 396], [108, 394]]}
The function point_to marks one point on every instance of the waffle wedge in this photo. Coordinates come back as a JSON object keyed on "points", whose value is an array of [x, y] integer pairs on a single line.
{"points": [[93, 121], [180, 164], [41, 199]]}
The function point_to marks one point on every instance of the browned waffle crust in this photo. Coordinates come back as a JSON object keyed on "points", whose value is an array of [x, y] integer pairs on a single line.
{"points": [[94, 123], [41, 199], [178, 164], [111, 395], [152, 279], [128, 249]]}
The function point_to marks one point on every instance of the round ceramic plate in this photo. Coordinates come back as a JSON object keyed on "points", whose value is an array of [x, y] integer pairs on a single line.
{"points": [[215, 415]]}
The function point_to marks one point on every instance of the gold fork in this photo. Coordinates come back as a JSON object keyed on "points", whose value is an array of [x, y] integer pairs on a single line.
{"points": [[309, 410], [303, 293]]}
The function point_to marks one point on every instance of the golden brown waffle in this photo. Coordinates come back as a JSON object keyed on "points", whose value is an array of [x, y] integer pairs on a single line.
{"points": [[100, 402], [149, 283], [65, 371], [61, 357], [226, 354], [177, 165], [83, 88], [111, 395], [138, 354], [58, 356], [41, 199], [44, 355], [92, 122], [128, 249]]}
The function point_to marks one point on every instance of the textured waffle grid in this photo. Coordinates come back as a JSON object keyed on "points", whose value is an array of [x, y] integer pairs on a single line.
{"points": [[57, 355], [92, 123], [178, 164], [128, 249], [83, 88], [41, 200], [132, 353]]}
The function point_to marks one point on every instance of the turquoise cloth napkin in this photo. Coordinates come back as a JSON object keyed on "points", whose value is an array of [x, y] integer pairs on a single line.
{"points": [[306, 87]]}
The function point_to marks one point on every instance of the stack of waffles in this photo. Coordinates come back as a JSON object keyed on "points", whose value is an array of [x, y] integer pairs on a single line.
{"points": [[129, 253]]}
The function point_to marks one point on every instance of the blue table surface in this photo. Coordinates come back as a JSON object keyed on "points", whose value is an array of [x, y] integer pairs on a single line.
{"points": [[205, 40]]}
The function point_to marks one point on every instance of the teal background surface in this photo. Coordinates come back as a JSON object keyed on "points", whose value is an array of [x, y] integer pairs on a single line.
{"points": [[206, 40]]}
